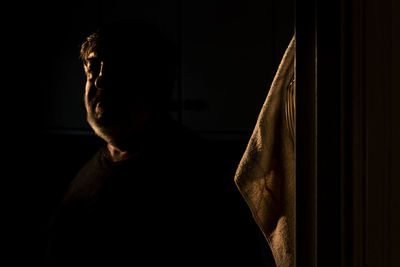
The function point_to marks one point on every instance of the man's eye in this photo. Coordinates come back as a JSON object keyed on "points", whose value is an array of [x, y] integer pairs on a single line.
{"points": [[93, 68]]}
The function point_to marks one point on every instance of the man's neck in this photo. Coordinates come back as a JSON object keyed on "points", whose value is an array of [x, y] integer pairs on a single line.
{"points": [[117, 154]]}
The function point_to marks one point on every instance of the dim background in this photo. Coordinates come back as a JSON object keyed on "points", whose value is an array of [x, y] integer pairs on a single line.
{"points": [[230, 51]]}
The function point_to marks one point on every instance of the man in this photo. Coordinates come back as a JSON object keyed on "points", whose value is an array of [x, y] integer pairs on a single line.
{"points": [[140, 198]]}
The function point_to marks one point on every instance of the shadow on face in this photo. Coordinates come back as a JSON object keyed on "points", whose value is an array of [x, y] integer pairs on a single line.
{"points": [[136, 62]]}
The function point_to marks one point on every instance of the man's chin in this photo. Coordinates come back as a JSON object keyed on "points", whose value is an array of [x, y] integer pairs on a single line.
{"points": [[104, 124], [100, 129], [99, 116], [114, 134]]}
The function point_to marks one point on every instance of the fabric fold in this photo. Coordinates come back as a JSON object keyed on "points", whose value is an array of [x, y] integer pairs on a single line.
{"points": [[265, 174]]}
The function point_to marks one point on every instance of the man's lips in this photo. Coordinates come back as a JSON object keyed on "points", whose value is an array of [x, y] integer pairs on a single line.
{"points": [[98, 110], [96, 106], [105, 110]]}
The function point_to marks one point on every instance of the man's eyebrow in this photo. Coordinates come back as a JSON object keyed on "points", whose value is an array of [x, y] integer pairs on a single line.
{"points": [[93, 58], [92, 54]]}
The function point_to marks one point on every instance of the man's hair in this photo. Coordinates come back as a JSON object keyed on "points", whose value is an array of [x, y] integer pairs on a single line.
{"points": [[143, 48], [133, 34], [88, 46]]}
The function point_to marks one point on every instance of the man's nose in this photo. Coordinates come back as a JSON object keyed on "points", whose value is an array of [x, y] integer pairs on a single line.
{"points": [[99, 82]]}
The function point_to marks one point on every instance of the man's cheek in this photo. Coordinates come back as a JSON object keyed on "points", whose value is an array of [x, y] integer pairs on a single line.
{"points": [[90, 91], [88, 96]]}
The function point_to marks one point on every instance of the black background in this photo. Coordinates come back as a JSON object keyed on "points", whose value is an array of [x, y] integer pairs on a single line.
{"points": [[230, 51]]}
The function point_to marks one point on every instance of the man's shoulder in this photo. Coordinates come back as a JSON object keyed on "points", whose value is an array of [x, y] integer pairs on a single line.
{"points": [[88, 180]]}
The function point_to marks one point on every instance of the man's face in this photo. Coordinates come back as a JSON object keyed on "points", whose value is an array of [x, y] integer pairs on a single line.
{"points": [[94, 70], [111, 111]]}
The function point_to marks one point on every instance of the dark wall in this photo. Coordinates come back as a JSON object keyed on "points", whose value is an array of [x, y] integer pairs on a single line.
{"points": [[230, 51]]}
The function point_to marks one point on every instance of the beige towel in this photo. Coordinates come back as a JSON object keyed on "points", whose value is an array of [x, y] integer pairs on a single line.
{"points": [[265, 175]]}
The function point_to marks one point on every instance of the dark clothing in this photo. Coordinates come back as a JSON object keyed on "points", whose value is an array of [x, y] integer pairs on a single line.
{"points": [[152, 209]]}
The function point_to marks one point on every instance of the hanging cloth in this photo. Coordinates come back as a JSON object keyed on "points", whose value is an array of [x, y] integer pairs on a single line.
{"points": [[265, 174]]}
